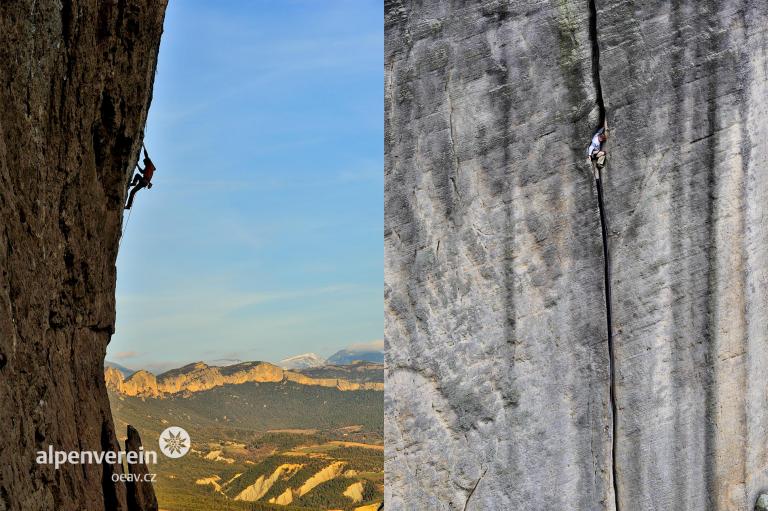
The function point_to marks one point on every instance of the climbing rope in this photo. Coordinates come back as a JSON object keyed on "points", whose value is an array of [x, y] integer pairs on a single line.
{"points": [[125, 227]]}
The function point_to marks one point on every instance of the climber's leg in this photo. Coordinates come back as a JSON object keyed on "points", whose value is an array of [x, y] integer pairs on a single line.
{"points": [[138, 187], [600, 159]]}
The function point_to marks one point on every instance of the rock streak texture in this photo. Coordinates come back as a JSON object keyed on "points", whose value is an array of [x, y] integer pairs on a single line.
{"points": [[497, 384], [75, 86]]}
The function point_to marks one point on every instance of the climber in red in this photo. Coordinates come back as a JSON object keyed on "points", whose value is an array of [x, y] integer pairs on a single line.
{"points": [[142, 179]]}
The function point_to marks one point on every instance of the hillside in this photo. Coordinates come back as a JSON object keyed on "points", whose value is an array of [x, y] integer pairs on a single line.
{"points": [[230, 476], [250, 429], [256, 407], [334, 477]]}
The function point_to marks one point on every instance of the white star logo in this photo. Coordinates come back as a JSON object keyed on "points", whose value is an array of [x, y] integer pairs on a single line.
{"points": [[175, 442]]}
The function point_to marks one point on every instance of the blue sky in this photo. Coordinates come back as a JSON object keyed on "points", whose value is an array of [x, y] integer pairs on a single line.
{"points": [[262, 235]]}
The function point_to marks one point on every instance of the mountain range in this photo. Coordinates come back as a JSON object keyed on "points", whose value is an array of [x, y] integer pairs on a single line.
{"points": [[362, 352], [350, 355], [199, 376]]}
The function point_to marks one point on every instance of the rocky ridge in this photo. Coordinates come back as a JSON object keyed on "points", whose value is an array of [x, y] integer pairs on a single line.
{"points": [[199, 376]]}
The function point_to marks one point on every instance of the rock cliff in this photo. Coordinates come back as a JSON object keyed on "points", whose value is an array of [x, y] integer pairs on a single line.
{"points": [[498, 370], [76, 86], [686, 89], [199, 376]]}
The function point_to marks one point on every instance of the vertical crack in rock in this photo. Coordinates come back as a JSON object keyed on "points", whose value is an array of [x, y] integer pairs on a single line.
{"points": [[606, 251], [611, 364], [472, 491], [596, 61]]}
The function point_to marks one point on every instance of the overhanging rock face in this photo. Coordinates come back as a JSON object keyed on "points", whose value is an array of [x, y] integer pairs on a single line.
{"points": [[76, 82], [497, 383]]}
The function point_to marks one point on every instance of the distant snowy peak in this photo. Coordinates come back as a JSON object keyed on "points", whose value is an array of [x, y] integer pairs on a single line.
{"points": [[349, 356], [303, 361]]}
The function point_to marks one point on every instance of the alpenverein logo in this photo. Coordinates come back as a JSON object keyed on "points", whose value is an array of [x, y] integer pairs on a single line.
{"points": [[175, 442]]}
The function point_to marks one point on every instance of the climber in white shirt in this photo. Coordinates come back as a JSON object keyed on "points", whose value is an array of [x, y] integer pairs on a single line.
{"points": [[595, 152]]}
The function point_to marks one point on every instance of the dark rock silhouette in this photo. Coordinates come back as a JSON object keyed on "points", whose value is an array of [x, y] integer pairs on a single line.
{"points": [[141, 495], [75, 87]]}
